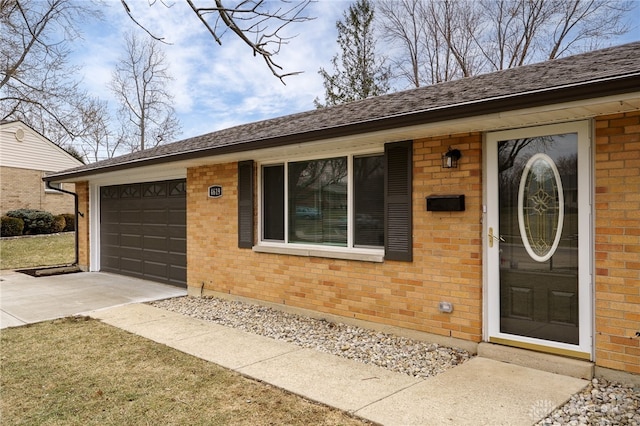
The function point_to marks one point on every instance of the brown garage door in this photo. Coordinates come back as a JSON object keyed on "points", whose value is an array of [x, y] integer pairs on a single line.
{"points": [[143, 231]]}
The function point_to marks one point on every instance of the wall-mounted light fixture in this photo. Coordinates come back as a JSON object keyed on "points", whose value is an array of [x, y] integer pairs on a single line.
{"points": [[450, 158]]}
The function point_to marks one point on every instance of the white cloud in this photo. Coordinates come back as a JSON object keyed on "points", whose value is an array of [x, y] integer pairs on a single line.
{"points": [[216, 86], [232, 86]]}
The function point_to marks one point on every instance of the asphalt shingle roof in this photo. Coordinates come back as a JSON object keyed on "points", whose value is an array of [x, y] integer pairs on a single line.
{"points": [[580, 73]]}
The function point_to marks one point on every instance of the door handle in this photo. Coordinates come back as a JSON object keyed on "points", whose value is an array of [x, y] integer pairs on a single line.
{"points": [[494, 237]]}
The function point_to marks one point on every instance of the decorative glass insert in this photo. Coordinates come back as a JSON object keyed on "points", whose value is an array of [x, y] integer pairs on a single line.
{"points": [[540, 207], [155, 190], [109, 192], [130, 191], [177, 188]]}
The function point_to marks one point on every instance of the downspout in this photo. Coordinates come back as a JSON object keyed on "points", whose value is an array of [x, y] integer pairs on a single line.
{"points": [[77, 213]]}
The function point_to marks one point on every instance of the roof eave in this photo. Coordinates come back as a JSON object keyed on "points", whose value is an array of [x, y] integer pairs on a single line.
{"points": [[577, 92]]}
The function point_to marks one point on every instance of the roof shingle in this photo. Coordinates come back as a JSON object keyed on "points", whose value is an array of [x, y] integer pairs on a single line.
{"points": [[581, 73]]}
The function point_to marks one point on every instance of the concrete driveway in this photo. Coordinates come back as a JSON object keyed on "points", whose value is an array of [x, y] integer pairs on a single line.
{"points": [[25, 299]]}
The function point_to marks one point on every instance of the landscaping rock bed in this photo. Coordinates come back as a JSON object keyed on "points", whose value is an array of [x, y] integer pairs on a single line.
{"points": [[412, 357], [600, 403]]}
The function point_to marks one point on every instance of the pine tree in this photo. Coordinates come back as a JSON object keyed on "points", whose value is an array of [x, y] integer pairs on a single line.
{"points": [[358, 72]]}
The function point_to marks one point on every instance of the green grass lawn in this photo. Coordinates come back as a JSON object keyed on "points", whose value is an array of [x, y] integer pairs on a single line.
{"points": [[79, 371], [39, 250]]}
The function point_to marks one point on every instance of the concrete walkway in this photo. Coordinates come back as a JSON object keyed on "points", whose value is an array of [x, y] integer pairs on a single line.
{"points": [[479, 392]]}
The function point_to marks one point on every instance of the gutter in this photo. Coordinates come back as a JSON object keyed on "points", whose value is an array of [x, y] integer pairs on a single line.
{"points": [[77, 213], [606, 86]]}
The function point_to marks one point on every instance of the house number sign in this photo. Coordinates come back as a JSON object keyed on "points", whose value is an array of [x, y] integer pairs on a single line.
{"points": [[215, 191]]}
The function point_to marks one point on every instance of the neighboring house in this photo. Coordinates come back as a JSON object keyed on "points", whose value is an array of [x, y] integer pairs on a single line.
{"points": [[25, 157], [532, 242]]}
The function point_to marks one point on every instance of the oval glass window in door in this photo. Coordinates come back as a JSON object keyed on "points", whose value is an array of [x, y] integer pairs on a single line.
{"points": [[540, 207]]}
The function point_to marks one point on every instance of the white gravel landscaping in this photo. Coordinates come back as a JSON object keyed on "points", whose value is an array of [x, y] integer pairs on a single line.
{"points": [[601, 403]]}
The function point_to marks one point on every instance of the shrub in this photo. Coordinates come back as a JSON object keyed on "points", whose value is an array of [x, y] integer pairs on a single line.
{"points": [[70, 222], [58, 224], [35, 221], [11, 226]]}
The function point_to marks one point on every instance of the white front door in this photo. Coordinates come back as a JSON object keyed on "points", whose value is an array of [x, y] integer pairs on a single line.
{"points": [[538, 238]]}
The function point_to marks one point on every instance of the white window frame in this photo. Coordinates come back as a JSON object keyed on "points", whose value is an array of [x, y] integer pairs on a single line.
{"points": [[369, 254], [54, 186]]}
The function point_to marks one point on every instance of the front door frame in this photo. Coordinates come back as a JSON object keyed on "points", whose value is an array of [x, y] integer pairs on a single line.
{"points": [[491, 311]]}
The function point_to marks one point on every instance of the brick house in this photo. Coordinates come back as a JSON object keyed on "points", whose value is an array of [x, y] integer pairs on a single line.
{"points": [[26, 157], [352, 212]]}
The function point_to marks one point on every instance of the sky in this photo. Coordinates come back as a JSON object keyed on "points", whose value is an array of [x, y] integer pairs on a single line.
{"points": [[216, 87]]}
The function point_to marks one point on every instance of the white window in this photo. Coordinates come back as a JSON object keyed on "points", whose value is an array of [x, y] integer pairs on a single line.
{"points": [[331, 202], [52, 187]]}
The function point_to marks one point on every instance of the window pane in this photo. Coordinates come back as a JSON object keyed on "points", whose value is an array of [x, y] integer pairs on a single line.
{"points": [[273, 203], [368, 176], [318, 202]]}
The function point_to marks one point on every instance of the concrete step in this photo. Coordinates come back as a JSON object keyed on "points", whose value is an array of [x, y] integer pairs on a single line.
{"points": [[540, 361]]}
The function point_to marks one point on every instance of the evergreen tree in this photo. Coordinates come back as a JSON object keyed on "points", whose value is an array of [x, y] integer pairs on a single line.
{"points": [[358, 73]]}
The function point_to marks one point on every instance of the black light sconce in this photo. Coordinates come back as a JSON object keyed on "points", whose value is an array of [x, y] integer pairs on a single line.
{"points": [[450, 158]]}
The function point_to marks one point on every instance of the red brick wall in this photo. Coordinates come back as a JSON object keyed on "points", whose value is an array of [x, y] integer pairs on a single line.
{"points": [[617, 251], [395, 293]]}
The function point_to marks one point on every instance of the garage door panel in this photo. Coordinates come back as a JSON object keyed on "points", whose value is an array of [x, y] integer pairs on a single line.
{"points": [[175, 231], [143, 230], [177, 258], [110, 216], [159, 217], [129, 217], [130, 252], [177, 217], [177, 274], [128, 228], [131, 265], [133, 241], [155, 268], [111, 239], [130, 205], [110, 262], [160, 256], [177, 245], [152, 243], [155, 230]]}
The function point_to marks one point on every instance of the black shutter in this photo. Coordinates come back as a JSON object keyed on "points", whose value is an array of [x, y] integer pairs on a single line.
{"points": [[398, 239], [245, 204]]}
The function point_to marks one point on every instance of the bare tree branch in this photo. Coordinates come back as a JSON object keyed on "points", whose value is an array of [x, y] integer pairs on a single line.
{"points": [[257, 23], [128, 10], [403, 25], [37, 83], [139, 82], [489, 35]]}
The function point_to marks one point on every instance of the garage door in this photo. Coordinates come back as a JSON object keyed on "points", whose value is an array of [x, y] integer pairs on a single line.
{"points": [[143, 231]]}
